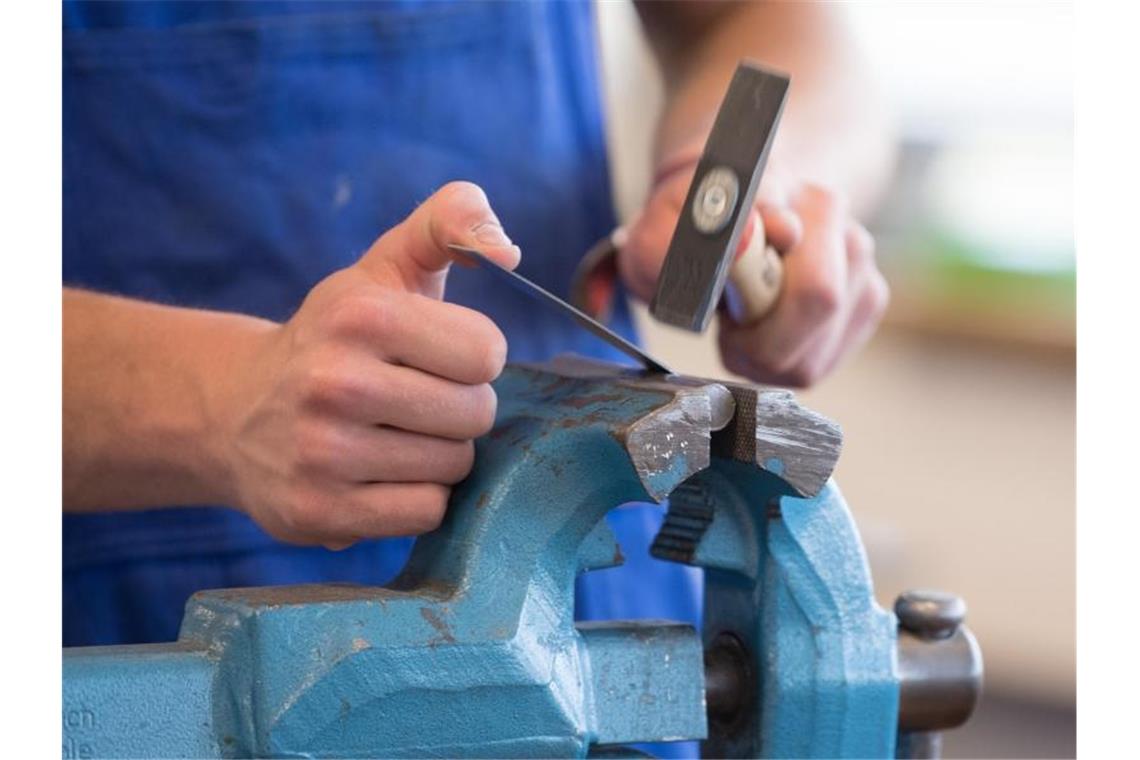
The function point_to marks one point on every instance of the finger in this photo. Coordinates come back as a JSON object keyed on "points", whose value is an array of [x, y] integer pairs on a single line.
{"points": [[773, 190], [373, 392], [442, 338], [816, 269], [648, 236], [783, 229], [423, 403], [871, 305], [869, 295], [863, 307], [414, 254], [735, 343], [368, 454], [860, 245], [815, 273], [448, 340], [383, 510]]}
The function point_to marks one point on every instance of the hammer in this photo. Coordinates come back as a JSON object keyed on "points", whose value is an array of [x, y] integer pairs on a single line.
{"points": [[701, 258]]}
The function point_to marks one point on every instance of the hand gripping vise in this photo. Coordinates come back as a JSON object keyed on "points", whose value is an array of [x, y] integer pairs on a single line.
{"points": [[473, 650]]}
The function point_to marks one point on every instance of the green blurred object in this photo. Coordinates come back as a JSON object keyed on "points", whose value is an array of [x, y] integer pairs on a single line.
{"points": [[978, 240], [961, 274]]}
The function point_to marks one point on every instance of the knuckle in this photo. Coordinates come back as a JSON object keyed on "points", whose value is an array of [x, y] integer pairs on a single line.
{"points": [[637, 263], [800, 376], [323, 384], [463, 459], [860, 246], [737, 364], [453, 461], [304, 515], [491, 349], [779, 363], [484, 405], [365, 312], [318, 445], [828, 200], [429, 519], [868, 242], [328, 291], [820, 299], [330, 382], [758, 360], [880, 295], [431, 510]]}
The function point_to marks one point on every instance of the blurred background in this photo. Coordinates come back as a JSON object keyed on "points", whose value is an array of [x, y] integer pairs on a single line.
{"points": [[959, 417]]}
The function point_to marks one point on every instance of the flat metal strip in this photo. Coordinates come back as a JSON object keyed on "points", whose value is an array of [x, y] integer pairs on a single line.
{"points": [[542, 294]]}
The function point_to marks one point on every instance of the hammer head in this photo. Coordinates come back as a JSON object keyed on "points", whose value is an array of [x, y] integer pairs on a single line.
{"points": [[720, 197]]}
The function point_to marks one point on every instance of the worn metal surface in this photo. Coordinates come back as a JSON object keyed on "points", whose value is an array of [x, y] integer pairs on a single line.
{"points": [[772, 430], [139, 701], [716, 208], [473, 652], [940, 680], [620, 657], [930, 614], [939, 667], [787, 577]]}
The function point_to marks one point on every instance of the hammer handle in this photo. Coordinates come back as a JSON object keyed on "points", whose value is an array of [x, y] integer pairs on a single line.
{"points": [[754, 279]]}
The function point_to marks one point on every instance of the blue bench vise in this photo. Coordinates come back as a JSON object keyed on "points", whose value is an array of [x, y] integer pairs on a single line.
{"points": [[473, 650]]}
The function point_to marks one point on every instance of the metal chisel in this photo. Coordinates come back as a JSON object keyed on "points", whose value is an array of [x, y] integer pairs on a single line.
{"points": [[542, 294]]}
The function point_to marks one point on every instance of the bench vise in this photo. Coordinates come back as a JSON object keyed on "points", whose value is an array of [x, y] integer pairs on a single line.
{"points": [[473, 651]]}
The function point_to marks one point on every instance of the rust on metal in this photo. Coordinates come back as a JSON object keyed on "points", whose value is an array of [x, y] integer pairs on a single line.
{"points": [[439, 624]]}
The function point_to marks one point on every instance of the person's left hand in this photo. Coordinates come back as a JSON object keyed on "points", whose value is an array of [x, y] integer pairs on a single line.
{"points": [[833, 294]]}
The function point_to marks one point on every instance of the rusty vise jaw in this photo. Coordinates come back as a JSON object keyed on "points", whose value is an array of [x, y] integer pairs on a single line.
{"points": [[473, 649], [767, 427]]}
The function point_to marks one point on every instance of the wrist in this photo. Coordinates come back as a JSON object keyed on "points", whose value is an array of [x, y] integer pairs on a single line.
{"points": [[230, 380]]}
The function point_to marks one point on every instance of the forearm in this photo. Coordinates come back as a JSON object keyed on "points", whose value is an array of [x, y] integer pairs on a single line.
{"points": [[142, 401], [351, 420], [833, 131]]}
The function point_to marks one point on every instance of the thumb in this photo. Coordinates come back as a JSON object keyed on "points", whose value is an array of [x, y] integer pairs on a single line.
{"points": [[414, 255], [649, 233]]}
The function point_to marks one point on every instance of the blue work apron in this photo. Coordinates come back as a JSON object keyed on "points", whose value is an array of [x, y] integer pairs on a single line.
{"points": [[230, 155]]}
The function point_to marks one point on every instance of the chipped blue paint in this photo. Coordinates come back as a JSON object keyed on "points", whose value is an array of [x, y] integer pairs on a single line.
{"points": [[831, 650], [473, 651], [802, 604]]}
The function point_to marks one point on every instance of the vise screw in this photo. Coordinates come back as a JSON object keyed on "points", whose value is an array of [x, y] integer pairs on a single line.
{"points": [[473, 650]]}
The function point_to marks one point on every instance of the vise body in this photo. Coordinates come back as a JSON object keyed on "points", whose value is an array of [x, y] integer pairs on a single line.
{"points": [[473, 650]]}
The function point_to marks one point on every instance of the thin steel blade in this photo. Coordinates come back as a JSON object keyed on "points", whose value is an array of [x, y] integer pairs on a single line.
{"points": [[542, 294]]}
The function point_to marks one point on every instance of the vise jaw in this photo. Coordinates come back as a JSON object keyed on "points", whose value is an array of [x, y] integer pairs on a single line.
{"points": [[473, 651]]}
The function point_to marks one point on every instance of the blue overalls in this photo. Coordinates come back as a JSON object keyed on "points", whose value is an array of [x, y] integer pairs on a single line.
{"points": [[230, 155]]}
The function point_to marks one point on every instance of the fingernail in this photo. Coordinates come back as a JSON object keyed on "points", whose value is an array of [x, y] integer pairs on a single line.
{"points": [[490, 233]]}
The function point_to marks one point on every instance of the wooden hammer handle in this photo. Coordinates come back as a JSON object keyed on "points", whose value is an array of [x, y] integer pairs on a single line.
{"points": [[754, 279]]}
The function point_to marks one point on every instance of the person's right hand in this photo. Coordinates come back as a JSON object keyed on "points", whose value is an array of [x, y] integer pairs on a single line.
{"points": [[355, 417]]}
